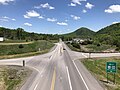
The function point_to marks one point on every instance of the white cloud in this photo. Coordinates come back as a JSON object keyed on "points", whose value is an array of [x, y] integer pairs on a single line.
{"points": [[6, 19], [41, 17], [113, 9], [31, 13], [72, 4], [28, 24], [62, 23], [13, 19], [84, 11], [5, 2], [46, 5], [75, 17], [77, 1], [51, 19], [89, 6], [1, 26]]}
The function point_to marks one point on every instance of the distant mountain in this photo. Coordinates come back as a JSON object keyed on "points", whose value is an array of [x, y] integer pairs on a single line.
{"points": [[81, 33]]}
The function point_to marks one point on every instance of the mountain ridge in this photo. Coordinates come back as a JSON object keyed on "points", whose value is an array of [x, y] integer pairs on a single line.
{"points": [[83, 32]]}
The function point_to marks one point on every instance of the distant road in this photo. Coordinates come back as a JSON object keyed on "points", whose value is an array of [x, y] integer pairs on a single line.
{"points": [[59, 69]]}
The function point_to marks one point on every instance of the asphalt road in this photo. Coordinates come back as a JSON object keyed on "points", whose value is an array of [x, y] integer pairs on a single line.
{"points": [[59, 70]]}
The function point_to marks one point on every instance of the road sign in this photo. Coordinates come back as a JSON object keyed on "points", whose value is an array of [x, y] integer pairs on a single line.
{"points": [[111, 67]]}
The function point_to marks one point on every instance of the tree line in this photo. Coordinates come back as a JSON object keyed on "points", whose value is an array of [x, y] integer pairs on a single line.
{"points": [[21, 34]]}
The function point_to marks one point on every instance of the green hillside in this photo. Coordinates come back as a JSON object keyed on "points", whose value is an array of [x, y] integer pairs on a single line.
{"points": [[109, 35], [81, 33], [107, 38], [111, 30]]}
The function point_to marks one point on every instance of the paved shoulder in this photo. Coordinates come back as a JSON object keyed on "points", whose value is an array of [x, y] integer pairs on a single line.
{"points": [[91, 82]]}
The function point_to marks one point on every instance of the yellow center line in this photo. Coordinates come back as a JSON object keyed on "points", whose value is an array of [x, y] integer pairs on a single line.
{"points": [[53, 80]]}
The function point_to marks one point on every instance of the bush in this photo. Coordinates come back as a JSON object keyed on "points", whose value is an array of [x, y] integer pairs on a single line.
{"points": [[76, 45], [118, 48], [21, 46], [84, 43], [98, 44], [26, 40]]}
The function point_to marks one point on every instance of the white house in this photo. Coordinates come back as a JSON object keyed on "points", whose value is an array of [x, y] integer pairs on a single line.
{"points": [[78, 40], [1, 39]]}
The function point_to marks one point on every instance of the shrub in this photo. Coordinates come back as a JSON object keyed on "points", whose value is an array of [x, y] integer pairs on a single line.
{"points": [[21, 46], [26, 40], [98, 44], [76, 45], [118, 48]]}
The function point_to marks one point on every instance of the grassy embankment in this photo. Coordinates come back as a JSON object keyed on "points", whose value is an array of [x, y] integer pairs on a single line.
{"points": [[11, 49], [98, 68], [101, 48], [73, 48], [12, 77], [93, 48]]}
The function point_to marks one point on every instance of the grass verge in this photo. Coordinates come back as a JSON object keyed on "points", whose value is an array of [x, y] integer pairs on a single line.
{"points": [[101, 48], [97, 67], [12, 77], [23, 50], [73, 48]]}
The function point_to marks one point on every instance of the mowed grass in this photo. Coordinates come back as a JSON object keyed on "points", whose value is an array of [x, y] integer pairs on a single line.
{"points": [[95, 48], [98, 68], [33, 48]]}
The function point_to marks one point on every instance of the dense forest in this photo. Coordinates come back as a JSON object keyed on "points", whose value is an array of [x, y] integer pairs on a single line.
{"points": [[109, 35], [21, 34]]}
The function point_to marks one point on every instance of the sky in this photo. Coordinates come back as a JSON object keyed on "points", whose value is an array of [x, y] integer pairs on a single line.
{"points": [[58, 16]]}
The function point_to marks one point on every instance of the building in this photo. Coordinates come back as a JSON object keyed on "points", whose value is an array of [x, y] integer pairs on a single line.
{"points": [[68, 42], [1, 39], [78, 40]]}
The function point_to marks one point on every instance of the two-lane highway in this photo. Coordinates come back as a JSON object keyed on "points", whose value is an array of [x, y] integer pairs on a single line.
{"points": [[59, 69]]}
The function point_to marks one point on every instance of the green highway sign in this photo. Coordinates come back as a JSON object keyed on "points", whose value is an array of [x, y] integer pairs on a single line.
{"points": [[111, 67]]}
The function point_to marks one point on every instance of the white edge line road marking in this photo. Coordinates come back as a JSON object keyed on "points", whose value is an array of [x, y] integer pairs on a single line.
{"points": [[84, 55], [36, 87], [69, 78], [36, 69], [81, 76], [39, 73]]}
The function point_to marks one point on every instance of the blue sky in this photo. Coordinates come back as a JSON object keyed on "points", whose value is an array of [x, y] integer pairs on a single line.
{"points": [[58, 16]]}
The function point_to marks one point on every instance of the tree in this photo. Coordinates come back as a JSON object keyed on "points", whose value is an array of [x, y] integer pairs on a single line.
{"points": [[19, 33]]}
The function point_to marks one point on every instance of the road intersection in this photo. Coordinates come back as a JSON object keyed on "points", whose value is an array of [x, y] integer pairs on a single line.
{"points": [[59, 69]]}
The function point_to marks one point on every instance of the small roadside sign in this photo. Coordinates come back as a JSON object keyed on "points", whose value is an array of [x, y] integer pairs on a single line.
{"points": [[111, 67]]}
